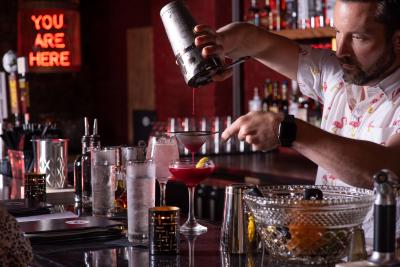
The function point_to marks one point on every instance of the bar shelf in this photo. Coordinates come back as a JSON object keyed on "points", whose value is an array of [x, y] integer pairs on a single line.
{"points": [[301, 34]]}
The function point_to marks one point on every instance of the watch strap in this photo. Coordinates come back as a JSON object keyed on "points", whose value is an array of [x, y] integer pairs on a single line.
{"points": [[287, 131]]}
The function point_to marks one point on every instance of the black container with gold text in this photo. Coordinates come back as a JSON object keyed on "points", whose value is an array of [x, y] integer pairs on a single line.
{"points": [[164, 230]]}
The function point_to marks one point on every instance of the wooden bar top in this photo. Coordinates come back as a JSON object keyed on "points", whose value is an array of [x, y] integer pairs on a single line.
{"points": [[281, 166]]}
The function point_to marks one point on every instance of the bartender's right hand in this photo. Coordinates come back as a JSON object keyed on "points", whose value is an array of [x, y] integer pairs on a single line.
{"points": [[210, 43]]}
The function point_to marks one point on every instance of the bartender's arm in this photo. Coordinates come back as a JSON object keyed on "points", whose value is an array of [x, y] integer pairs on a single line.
{"points": [[237, 40], [354, 161]]}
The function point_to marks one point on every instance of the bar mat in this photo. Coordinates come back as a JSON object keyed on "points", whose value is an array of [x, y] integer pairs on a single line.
{"points": [[23, 208], [87, 245]]}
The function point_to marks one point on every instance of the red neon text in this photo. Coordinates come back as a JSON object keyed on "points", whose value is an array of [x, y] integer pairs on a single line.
{"points": [[50, 40], [50, 59], [48, 21], [46, 41]]}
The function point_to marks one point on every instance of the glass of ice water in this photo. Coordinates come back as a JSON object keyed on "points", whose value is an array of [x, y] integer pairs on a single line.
{"points": [[104, 171], [140, 183]]}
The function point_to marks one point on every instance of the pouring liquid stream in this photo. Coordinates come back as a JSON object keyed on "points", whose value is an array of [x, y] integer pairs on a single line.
{"points": [[193, 114]]}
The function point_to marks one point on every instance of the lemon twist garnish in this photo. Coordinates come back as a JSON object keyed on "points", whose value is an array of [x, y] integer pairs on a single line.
{"points": [[201, 162], [251, 228]]}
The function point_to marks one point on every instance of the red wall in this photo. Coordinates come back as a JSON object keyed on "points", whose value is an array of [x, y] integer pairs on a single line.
{"points": [[104, 26], [173, 96]]}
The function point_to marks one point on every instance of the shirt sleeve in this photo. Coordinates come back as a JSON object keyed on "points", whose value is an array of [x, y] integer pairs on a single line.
{"points": [[317, 70]]}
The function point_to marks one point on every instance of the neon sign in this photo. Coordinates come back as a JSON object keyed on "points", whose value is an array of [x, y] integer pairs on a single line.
{"points": [[50, 39]]}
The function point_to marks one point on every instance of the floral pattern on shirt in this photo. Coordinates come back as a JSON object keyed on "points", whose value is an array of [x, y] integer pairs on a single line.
{"points": [[374, 118]]}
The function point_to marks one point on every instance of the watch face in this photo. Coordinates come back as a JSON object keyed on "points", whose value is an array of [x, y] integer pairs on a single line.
{"points": [[287, 131]]}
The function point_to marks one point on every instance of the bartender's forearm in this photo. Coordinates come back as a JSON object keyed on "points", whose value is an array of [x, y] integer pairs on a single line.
{"points": [[354, 161], [245, 39]]}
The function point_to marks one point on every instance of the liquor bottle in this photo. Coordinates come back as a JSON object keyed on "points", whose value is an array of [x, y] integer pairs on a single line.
{"points": [[303, 110], [254, 13], [312, 11], [280, 14], [275, 99], [264, 15], [319, 13], [255, 103], [291, 14], [328, 12], [78, 163], [94, 142], [294, 99], [303, 14], [266, 102], [284, 107], [272, 15]]}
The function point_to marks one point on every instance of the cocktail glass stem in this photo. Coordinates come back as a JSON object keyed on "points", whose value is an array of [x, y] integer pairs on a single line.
{"points": [[191, 219], [163, 187], [191, 242], [191, 226]]}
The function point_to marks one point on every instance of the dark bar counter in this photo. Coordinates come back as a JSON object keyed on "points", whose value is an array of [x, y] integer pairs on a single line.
{"points": [[205, 252], [281, 166], [118, 253]]}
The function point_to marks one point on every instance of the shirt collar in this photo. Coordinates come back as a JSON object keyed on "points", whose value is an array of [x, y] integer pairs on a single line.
{"points": [[387, 86], [390, 86]]}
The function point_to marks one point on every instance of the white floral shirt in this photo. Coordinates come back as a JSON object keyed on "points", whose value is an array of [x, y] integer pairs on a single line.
{"points": [[375, 118]]}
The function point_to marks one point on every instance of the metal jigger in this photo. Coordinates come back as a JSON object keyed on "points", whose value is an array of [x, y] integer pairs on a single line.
{"points": [[384, 251]]}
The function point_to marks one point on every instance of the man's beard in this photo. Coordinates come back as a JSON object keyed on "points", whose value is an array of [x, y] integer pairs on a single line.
{"points": [[378, 70]]}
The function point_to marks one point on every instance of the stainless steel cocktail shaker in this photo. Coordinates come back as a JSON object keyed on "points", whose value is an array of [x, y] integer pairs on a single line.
{"points": [[179, 25], [238, 232]]}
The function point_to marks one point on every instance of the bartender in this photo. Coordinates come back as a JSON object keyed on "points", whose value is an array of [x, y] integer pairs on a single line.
{"points": [[359, 86]]}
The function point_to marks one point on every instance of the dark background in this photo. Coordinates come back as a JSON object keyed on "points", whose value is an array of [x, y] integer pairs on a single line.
{"points": [[99, 89]]}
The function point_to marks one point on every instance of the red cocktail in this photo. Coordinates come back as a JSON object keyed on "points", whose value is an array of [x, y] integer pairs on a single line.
{"points": [[185, 171]]}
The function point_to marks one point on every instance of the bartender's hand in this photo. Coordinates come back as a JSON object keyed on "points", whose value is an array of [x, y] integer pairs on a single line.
{"points": [[211, 45], [257, 128]]}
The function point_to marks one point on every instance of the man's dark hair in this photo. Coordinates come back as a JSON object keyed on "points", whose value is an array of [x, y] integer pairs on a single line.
{"points": [[388, 13]]}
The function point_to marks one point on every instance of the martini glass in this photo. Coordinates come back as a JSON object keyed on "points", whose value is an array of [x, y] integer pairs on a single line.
{"points": [[185, 171], [192, 140]]}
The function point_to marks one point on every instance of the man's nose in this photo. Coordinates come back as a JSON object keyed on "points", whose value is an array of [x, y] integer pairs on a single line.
{"points": [[343, 47]]}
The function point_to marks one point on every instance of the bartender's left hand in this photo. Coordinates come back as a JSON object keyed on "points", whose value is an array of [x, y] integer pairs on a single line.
{"points": [[257, 128]]}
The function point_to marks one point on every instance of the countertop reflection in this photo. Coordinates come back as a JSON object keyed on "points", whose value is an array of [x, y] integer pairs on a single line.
{"points": [[118, 253]]}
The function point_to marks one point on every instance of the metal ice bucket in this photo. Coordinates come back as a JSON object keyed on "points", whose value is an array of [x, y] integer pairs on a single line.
{"points": [[51, 158]]}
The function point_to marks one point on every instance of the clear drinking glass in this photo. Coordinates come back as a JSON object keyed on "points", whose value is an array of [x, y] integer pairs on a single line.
{"points": [[162, 150], [187, 172], [140, 181], [104, 171]]}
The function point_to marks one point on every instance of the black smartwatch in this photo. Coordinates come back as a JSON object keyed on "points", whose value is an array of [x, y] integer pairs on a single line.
{"points": [[287, 131]]}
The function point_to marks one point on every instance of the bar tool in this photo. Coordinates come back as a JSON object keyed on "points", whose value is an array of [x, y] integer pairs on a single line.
{"points": [[238, 232], [179, 24], [384, 245], [95, 137], [94, 142], [85, 141]]}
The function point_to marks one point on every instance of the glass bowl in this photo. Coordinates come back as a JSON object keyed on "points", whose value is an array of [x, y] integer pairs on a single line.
{"points": [[308, 231]]}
